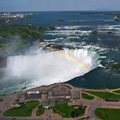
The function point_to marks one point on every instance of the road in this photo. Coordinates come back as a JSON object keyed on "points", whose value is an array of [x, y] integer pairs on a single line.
{"points": [[91, 111], [97, 105], [11, 119], [17, 119]]}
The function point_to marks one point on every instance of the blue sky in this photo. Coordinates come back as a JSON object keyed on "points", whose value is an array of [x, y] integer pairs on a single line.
{"points": [[59, 5]]}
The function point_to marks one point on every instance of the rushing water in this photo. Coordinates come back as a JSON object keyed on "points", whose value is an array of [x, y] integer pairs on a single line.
{"points": [[74, 33]]}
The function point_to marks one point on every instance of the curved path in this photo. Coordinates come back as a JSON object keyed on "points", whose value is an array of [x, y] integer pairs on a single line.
{"points": [[97, 105]]}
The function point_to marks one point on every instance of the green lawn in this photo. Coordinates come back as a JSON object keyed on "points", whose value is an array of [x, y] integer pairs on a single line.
{"points": [[101, 88], [1, 99], [104, 95], [118, 91], [67, 86], [107, 114], [64, 109], [22, 111], [40, 110], [86, 96]]}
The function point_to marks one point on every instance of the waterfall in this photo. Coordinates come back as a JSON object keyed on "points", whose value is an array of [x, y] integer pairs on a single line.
{"points": [[51, 67]]}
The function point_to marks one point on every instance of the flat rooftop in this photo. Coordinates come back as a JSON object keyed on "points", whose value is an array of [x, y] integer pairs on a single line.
{"points": [[33, 95]]}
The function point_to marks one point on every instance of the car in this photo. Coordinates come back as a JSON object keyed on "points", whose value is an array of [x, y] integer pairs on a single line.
{"points": [[13, 118], [87, 117]]}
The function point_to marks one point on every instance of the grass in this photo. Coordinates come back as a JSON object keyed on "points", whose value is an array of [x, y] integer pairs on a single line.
{"points": [[22, 111], [1, 99], [118, 91], [107, 114], [55, 86], [64, 109], [79, 111], [67, 86], [40, 110], [100, 88], [63, 85], [86, 96], [104, 95]]}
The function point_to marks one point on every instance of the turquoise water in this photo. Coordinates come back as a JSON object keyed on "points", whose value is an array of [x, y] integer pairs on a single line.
{"points": [[74, 33]]}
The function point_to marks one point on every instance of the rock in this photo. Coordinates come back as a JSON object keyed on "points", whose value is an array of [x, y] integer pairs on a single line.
{"points": [[3, 62], [54, 46]]}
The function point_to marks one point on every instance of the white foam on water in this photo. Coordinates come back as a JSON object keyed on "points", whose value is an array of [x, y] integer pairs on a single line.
{"points": [[56, 39], [68, 32], [109, 27]]}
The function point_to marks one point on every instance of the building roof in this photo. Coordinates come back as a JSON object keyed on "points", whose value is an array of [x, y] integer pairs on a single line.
{"points": [[75, 94], [49, 102], [61, 92], [33, 92], [30, 95], [21, 103], [112, 99]]}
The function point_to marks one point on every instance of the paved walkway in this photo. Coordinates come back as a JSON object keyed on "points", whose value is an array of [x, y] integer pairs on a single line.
{"points": [[34, 110]]}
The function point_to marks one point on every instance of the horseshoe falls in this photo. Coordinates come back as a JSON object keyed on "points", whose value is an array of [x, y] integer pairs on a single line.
{"points": [[52, 67]]}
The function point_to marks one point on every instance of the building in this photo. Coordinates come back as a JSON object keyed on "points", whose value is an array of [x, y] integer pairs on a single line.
{"points": [[21, 103], [112, 99], [58, 92], [34, 95], [48, 103], [62, 92], [75, 95]]}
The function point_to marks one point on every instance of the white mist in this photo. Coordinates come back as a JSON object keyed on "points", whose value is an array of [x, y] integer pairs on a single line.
{"points": [[51, 67]]}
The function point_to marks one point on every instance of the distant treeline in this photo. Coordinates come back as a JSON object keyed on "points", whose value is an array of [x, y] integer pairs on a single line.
{"points": [[24, 31]]}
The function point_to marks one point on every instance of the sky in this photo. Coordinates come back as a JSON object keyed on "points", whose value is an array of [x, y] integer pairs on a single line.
{"points": [[59, 5]]}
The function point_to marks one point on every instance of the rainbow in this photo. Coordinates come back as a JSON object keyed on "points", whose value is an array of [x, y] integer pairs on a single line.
{"points": [[70, 58], [77, 62], [15, 36]]}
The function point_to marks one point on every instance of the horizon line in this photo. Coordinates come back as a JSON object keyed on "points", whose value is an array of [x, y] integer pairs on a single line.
{"points": [[66, 11]]}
